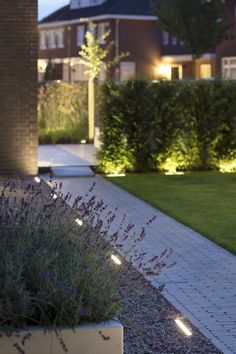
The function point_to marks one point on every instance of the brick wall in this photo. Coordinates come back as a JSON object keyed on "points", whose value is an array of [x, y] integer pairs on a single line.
{"points": [[18, 87]]}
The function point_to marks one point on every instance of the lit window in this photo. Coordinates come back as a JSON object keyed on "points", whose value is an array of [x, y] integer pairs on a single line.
{"points": [[229, 68], [205, 71], [80, 35]]}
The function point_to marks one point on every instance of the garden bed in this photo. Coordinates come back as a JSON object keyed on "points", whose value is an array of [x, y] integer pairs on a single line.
{"points": [[148, 318], [149, 326]]}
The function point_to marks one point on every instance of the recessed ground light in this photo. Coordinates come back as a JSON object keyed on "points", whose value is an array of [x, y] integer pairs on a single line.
{"points": [[83, 141], [79, 222], [115, 259], [37, 179], [174, 173], [182, 326], [116, 175]]}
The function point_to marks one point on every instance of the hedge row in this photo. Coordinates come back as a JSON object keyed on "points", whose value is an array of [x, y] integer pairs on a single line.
{"points": [[62, 113], [167, 125]]}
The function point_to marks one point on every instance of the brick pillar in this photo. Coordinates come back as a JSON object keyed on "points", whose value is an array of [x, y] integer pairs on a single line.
{"points": [[18, 87]]}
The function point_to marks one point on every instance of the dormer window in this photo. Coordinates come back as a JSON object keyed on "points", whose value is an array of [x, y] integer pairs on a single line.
{"points": [[78, 4]]}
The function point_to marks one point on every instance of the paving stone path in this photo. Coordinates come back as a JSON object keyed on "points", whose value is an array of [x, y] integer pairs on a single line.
{"points": [[203, 283]]}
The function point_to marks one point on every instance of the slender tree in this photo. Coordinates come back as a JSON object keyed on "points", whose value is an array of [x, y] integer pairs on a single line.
{"points": [[199, 24], [94, 55]]}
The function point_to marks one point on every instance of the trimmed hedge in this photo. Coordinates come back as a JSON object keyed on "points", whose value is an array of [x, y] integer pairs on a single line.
{"points": [[167, 125], [62, 112]]}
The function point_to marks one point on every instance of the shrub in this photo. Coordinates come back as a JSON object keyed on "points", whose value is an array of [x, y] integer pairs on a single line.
{"points": [[62, 113], [56, 271], [169, 125]]}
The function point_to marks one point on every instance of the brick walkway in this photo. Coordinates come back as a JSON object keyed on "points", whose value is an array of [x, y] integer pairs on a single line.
{"points": [[203, 283]]}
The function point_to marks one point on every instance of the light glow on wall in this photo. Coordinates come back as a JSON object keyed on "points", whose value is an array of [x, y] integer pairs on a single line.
{"points": [[164, 71]]}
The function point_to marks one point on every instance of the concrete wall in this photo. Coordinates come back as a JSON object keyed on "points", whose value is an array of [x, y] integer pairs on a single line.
{"points": [[18, 87]]}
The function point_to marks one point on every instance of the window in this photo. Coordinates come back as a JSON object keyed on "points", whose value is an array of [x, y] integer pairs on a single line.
{"points": [[165, 37], [102, 28], [77, 72], [52, 40], [173, 40], [43, 40], [176, 72], [229, 68], [60, 38], [205, 71], [80, 35], [127, 70]]}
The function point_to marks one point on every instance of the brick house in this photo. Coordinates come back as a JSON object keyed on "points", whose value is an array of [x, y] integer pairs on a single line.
{"points": [[152, 52]]}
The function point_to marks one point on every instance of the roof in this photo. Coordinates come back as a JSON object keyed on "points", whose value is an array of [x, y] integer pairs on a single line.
{"points": [[109, 7]]}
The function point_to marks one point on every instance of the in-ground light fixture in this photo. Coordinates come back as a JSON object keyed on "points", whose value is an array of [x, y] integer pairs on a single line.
{"points": [[183, 327], [115, 259]]}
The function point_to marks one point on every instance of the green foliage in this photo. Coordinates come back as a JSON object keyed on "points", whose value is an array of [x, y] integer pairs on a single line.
{"points": [[62, 113], [204, 201], [53, 273], [94, 55], [199, 24], [167, 125], [114, 156]]}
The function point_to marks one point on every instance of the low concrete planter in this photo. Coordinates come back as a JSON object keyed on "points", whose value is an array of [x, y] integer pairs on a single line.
{"points": [[104, 338]]}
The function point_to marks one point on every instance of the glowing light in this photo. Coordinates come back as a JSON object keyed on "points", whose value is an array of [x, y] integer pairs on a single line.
{"points": [[174, 173], [115, 259], [54, 196], [182, 326], [227, 166], [83, 141], [116, 175], [37, 179], [164, 71], [79, 222]]}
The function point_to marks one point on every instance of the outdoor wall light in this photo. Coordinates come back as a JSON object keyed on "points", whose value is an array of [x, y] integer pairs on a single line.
{"points": [[79, 222], [115, 259], [37, 179], [182, 326]]}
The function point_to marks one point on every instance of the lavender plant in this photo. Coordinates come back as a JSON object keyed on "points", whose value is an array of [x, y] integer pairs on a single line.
{"points": [[55, 260]]}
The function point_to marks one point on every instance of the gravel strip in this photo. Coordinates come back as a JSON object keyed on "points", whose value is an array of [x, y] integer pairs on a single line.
{"points": [[149, 327]]}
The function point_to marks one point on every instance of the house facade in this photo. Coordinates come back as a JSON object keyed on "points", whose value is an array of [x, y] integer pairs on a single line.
{"points": [[153, 53]]}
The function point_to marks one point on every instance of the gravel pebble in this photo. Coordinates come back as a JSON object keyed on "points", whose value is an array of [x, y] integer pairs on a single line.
{"points": [[149, 327]]}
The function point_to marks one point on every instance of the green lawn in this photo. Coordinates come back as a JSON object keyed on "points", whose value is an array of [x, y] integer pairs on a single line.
{"points": [[204, 201]]}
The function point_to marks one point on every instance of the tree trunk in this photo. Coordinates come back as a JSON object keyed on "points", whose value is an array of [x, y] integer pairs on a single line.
{"points": [[91, 109]]}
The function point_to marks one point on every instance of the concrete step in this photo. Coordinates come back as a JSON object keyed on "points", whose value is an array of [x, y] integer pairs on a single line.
{"points": [[79, 171]]}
